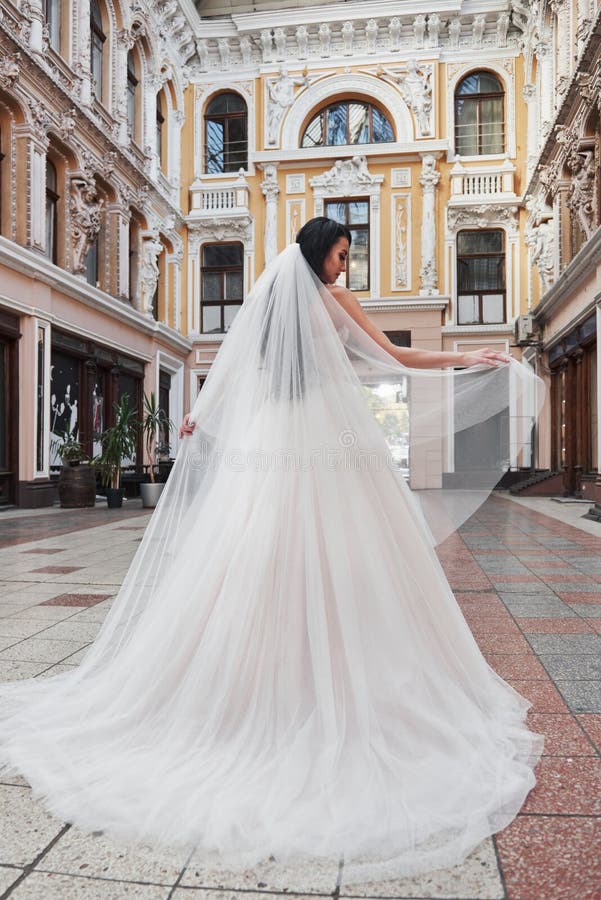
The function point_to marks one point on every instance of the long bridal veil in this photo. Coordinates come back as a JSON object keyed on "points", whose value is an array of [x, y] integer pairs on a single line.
{"points": [[284, 669]]}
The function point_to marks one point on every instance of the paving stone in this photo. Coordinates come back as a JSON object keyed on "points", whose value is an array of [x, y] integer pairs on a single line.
{"points": [[8, 875], [552, 625], [47, 886], [551, 858], [566, 785], [544, 695], [565, 643], [580, 695], [572, 665], [102, 856], [477, 877], [204, 870], [586, 610], [31, 827], [36, 649], [591, 722], [563, 734]]}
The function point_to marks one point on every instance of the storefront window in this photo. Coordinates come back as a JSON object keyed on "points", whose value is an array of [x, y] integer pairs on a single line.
{"points": [[64, 397]]}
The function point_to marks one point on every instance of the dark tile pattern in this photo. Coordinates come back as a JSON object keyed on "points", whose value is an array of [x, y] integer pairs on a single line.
{"points": [[75, 600], [538, 624]]}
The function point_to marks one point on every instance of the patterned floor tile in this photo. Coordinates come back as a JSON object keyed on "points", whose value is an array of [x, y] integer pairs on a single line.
{"points": [[555, 626], [551, 858], [76, 600], [591, 722], [563, 734], [566, 786]]}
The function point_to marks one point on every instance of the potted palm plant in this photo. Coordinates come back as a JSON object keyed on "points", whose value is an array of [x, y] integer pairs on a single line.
{"points": [[117, 441], [153, 421], [77, 478]]}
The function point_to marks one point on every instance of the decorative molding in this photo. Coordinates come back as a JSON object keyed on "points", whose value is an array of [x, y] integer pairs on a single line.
{"points": [[415, 84], [352, 178], [295, 218], [335, 86], [295, 184], [400, 237]]}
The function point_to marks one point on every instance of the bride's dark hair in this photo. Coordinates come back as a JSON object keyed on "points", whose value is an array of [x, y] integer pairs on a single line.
{"points": [[316, 239]]}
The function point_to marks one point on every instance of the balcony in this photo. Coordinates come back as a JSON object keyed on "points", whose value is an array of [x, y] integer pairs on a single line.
{"points": [[478, 184], [219, 199]]}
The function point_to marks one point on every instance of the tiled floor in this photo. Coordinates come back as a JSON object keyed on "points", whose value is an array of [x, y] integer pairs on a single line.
{"points": [[530, 588]]}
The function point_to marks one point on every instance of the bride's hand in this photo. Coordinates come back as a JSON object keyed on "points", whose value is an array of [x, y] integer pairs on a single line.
{"points": [[486, 356], [186, 427]]}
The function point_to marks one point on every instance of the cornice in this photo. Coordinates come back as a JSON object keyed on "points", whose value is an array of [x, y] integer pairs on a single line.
{"points": [[384, 152], [37, 267], [414, 303], [337, 12]]}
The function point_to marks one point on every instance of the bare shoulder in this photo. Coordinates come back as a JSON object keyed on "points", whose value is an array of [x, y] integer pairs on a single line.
{"points": [[342, 294]]}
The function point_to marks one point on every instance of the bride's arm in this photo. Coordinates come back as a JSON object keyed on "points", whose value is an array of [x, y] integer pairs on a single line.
{"points": [[413, 356]]}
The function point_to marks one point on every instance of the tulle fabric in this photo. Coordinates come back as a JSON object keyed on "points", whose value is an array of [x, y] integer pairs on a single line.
{"points": [[285, 671]]}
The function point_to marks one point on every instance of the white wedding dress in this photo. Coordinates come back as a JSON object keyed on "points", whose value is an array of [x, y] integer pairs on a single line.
{"points": [[285, 670]]}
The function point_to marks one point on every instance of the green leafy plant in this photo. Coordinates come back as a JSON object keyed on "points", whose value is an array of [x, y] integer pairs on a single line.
{"points": [[70, 451], [153, 420], [117, 441]]}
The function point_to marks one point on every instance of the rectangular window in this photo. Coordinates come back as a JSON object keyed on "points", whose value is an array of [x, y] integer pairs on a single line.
{"points": [[355, 215], [480, 278], [222, 286]]}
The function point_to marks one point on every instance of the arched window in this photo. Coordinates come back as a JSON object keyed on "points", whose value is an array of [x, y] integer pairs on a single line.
{"points": [[226, 134], [97, 49], [52, 17], [51, 211], [132, 92], [480, 277], [348, 122], [479, 115], [160, 121]]}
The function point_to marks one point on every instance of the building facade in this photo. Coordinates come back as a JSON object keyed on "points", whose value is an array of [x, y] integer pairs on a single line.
{"points": [[562, 50], [154, 157]]}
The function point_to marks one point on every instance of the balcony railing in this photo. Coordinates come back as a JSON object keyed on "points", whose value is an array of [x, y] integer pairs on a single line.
{"points": [[482, 181], [219, 198]]}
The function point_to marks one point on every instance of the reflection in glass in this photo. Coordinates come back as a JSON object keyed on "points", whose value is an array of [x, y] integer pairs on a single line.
{"points": [[348, 122]]}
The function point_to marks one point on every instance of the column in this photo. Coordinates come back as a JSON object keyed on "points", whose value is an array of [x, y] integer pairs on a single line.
{"points": [[31, 147], [118, 217], [529, 96], [174, 274], [428, 180], [270, 190]]}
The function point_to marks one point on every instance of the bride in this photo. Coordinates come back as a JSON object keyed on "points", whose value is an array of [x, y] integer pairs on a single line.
{"points": [[285, 670]]}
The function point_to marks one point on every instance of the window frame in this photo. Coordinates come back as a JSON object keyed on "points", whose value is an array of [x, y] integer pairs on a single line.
{"points": [[362, 226], [323, 114], [502, 254], [133, 83], [478, 98], [222, 303], [51, 227], [52, 13], [97, 42], [226, 118]]}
